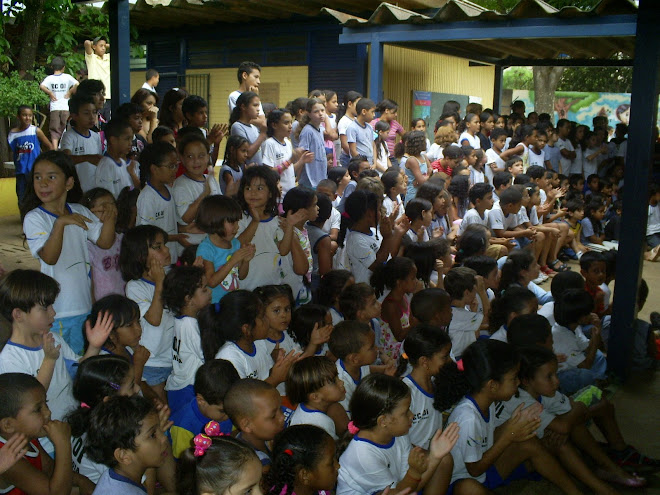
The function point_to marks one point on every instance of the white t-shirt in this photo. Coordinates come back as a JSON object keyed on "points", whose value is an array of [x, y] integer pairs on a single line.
{"points": [[266, 266], [462, 328], [473, 141], [334, 222], [552, 407], [368, 467], [566, 163], [413, 236], [501, 335], [83, 464], [343, 124], [72, 270], [426, 419], [493, 157], [350, 384], [497, 219], [361, 251], [231, 101], [474, 438], [78, 144], [305, 416], [548, 311], [113, 176], [185, 192], [653, 222], [476, 176], [187, 356], [256, 364], [157, 339], [388, 204], [287, 344], [155, 209], [16, 358], [535, 159], [470, 217], [59, 84], [274, 153], [571, 344]]}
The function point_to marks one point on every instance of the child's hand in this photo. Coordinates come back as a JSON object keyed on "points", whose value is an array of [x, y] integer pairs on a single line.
{"points": [[519, 428], [156, 271], [140, 356], [595, 321], [561, 358], [217, 132], [280, 368], [58, 432], [260, 122], [418, 461], [320, 335], [73, 219], [109, 213], [307, 157], [256, 215], [51, 351], [532, 412], [387, 491], [294, 218], [437, 232], [97, 335], [245, 253], [443, 441], [12, 451], [133, 168], [164, 417], [481, 284], [199, 262]]}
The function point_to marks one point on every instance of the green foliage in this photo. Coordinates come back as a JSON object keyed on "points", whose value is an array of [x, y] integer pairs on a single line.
{"points": [[597, 79], [518, 78], [15, 91]]}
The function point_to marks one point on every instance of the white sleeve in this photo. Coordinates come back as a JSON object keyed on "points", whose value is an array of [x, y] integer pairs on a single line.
{"points": [[268, 153], [37, 231], [66, 142], [135, 291], [94, 227]]}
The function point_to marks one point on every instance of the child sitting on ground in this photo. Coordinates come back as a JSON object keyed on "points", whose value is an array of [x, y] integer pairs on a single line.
{"points": [[463, 284], [127, 435], [212, 381], [314, 385], [254, 408], [24, 412]]}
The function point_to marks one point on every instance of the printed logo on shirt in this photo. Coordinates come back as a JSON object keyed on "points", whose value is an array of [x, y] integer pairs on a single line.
{"points": [[25, 147], [420, 416]]}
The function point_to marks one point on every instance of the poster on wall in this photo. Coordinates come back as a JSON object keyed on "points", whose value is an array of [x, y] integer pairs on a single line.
{"points": [[428, 105], [583, 107]]}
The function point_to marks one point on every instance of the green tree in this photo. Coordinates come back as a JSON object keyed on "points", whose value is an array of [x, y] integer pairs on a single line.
{"points": [[597, 79], [518, 78]]}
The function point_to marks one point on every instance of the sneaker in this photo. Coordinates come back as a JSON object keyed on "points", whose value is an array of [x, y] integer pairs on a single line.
{"points": [[540, 279]]}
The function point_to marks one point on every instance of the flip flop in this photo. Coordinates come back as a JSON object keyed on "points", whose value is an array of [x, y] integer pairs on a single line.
{"points": [[632, 457], [632, 481]]}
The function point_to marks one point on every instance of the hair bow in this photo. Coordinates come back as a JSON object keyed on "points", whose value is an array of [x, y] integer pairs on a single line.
{"points": [[203, 441], [352, 429]]}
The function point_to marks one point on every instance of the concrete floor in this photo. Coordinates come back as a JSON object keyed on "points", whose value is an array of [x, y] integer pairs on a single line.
{"points": [[637, 402]]}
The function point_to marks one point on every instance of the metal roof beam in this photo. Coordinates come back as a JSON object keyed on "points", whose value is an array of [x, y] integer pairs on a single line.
{"points": [[535, 28], [567, 62]]}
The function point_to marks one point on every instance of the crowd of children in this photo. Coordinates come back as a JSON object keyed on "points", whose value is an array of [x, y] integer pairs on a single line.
{"points": [[300, 321]]}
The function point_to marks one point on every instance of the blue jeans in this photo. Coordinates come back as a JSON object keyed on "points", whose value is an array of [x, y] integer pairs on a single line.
{"points": [[574, 379], [21, 185], [653, 240]]}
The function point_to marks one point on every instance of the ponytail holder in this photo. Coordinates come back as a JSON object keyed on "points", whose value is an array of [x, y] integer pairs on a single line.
{"points": [[203, 441], [459, 365], [404, 356], [288, 452], [84, 405], [352, 429], [114, 386], [178, 263], [346, 215]]}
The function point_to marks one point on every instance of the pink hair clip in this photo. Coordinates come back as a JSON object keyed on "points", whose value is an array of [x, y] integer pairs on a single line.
{"points": [[203, 441], [84, 405], [352, 429]]}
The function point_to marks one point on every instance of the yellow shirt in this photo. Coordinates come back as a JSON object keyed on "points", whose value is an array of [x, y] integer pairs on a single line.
{"points": [[99, 68]]}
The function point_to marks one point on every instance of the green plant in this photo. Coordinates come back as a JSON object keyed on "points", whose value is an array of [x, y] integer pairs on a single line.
{"points": [[16, 91]]}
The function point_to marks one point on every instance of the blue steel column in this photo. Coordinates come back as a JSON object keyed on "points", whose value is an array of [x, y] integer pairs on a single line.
{"points": [[120, 50], [644, 105], [376, 69], [497, 90]]}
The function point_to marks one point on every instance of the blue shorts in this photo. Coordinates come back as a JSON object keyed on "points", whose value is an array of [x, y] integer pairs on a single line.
{"points": [[71, 330], [494, 480], [522, 242], [155, 375]]}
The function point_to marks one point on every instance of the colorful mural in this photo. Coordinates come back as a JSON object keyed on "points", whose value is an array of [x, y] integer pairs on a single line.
{"points": [[583, 107]]}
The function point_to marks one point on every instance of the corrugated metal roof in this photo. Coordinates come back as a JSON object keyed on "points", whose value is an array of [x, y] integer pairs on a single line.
{"points": [[164, 14], [464, 10]]}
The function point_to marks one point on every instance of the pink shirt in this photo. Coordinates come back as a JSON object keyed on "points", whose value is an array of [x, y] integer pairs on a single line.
{"points": [[395, 128], [106, 276]]}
